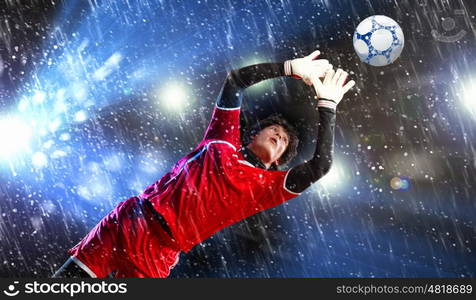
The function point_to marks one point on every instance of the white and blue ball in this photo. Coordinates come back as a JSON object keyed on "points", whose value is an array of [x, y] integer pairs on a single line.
{"points": [[378, 40]]}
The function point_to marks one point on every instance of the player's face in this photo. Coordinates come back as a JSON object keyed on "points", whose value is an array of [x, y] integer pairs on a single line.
{"points": [[270, 143]]}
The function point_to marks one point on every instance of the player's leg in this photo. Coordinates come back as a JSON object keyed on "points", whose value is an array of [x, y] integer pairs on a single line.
{"points": [[71, 270], [97, 252], [129, 241], [149, 251]]}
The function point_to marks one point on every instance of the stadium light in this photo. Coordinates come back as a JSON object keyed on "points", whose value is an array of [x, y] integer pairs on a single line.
{"points": [[338, 176], [173, 97], [469, 98], [39, 160], [80, 116], [39, 97], [15, 135]]}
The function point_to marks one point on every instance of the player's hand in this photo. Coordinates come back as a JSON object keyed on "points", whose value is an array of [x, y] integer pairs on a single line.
{"points": [[331, 89], [305, 67]]}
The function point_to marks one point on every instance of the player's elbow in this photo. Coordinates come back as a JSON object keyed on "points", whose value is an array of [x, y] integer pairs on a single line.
{"points": [[229, 76], [327, 167], [321, 170], [233, 79]]}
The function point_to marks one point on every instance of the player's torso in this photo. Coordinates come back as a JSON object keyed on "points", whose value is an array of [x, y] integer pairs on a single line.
{"points": [[213, 182], [210, 188]]}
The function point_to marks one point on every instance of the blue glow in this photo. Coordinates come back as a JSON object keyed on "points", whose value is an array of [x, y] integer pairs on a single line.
{"points": [[15, 135], [87, 129], [39, 160]]}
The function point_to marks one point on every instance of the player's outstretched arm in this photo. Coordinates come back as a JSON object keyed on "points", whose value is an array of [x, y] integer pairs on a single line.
{"points": [[225, 121], [330, 92], [239, 79]]}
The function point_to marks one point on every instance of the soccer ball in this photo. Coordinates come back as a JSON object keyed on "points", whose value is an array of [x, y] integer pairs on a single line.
{"points": [[378, 40]]}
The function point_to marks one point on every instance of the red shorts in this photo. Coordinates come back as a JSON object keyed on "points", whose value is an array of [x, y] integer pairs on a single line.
{"points": [[130, 241]]}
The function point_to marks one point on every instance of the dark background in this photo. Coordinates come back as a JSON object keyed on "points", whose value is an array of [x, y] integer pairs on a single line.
{"points": [[109, 61]]}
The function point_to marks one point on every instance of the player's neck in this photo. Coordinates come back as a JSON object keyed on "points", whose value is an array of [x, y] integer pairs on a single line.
{"points": [[252, 156]]}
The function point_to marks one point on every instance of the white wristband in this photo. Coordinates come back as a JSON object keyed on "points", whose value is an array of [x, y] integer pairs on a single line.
{"points": [[327, 103], [287, 68]]}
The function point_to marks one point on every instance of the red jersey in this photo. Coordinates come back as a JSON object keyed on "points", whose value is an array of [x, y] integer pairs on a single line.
{"points": [[207, 190], [214, 186]]}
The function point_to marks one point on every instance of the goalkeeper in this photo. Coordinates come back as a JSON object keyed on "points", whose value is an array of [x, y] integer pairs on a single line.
{"points": [[221, 182]]}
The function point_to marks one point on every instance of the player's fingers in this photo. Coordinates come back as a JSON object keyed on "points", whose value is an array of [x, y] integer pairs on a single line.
{"points": [[317, 83], [314, 55], [328, 77], [336, 76], [326, 69], [320, 62], [348, 86], [342, 78], [320, 67]]}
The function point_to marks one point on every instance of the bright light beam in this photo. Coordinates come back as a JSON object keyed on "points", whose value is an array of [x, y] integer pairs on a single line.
{"points": [[173, 97], [469, 98], [15, 135], [338, 178]]}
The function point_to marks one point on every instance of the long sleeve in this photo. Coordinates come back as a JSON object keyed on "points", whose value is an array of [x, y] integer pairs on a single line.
{"points": [[225, 122], [237, 80], [303, 175]]}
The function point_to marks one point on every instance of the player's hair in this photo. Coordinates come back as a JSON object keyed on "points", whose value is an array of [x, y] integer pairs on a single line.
{"points": [[276, 119]]}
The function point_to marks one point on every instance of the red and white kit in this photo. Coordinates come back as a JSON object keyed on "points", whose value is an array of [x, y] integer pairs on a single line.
{"points": [[207, 190]]}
